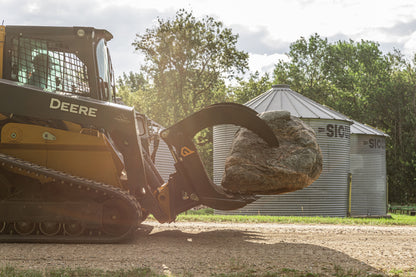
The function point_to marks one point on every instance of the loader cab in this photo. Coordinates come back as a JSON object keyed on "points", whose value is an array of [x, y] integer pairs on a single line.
{"points": [[67, 60]]}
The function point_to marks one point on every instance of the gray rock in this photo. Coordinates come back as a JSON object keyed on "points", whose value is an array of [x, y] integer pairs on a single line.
{"points": [[253, 167]]}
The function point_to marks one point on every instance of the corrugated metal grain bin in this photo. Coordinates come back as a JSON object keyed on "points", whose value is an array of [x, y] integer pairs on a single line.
{"points": [[368, 169], [164, 161], [223, 136], [327, 196]]}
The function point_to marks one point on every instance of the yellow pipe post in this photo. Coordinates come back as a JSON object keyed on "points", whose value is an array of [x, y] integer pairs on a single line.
{"points": [[2, 37], [349, 193]]}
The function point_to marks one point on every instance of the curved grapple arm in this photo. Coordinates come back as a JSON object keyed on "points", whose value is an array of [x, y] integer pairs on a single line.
{"points": [[190, 185]]}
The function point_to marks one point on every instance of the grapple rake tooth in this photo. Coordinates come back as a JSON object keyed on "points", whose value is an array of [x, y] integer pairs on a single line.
{"points": [[223, 113]]}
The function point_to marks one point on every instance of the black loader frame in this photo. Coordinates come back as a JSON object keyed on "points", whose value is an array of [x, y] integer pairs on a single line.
{"points": [[188, 187]]}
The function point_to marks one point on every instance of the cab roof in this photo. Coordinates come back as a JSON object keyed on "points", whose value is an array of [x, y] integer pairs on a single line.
{"points": [[61, 32]]}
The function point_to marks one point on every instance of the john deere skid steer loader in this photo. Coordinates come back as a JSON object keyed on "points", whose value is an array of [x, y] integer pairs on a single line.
{"points": [[75, 166]]}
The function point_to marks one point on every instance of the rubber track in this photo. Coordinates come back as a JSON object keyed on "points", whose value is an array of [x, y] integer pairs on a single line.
{"points": [[74, 182]]}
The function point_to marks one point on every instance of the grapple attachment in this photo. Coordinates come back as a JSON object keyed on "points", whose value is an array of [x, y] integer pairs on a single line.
{"points": [[190, 185]]}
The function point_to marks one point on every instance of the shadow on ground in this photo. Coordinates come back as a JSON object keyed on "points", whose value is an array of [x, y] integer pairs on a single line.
{"points": [[195, 253], [228, 251]]}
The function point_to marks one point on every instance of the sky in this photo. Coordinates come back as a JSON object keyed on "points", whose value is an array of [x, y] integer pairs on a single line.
{"points": [[266, 28]]}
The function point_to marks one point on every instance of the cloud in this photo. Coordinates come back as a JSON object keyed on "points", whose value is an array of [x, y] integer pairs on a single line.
{"points": [[259, 41], [265, 63], [265, 28], [401, 28], [409, 47], [399, 36]]}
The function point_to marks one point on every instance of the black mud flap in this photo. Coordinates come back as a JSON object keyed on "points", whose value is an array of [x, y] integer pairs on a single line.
{"points": [[190, 185]]}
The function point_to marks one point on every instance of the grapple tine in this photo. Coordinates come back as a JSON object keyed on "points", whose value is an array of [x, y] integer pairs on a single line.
{"points": [[223, 113]]}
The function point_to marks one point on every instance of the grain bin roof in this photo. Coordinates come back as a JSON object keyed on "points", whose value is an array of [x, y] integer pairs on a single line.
{"points": [[363, 129], [281, 97]]}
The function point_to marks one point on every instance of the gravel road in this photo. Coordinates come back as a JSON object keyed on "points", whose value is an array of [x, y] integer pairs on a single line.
{"points": [[200, 249]]}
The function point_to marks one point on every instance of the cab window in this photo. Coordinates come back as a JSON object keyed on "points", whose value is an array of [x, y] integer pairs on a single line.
{"points": [[105, 71], [49, 66]]}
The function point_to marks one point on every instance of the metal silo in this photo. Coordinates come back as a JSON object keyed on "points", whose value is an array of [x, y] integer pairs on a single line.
{"points": [[368, 169], [327, 196], [164, 161], [223, 136]]}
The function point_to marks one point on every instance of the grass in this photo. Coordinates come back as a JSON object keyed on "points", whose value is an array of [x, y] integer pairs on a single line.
{"points": [[207, 215], [10, 271]]}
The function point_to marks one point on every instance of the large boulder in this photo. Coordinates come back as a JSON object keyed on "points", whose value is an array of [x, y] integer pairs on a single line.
{"points": [[253, 167]]}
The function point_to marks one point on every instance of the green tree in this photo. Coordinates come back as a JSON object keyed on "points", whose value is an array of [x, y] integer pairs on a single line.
{"points": [[305, 72], [358, 73], [396, 109], [247, 90], [357, 79], [344, 75], [187, 61], [130, 88], [133, 81]]}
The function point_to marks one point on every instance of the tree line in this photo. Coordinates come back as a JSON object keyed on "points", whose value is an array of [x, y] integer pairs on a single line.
{"points": [[191, 63]]}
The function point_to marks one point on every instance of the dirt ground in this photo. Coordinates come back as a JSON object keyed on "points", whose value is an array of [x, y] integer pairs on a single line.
{"points": [[201, 249]]}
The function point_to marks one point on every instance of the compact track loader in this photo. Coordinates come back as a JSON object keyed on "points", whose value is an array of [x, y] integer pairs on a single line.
{"points": [[75, 166]]}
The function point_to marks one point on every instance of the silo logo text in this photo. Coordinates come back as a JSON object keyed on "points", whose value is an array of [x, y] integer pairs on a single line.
{"points": [[376, 143], [335, 131]]}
